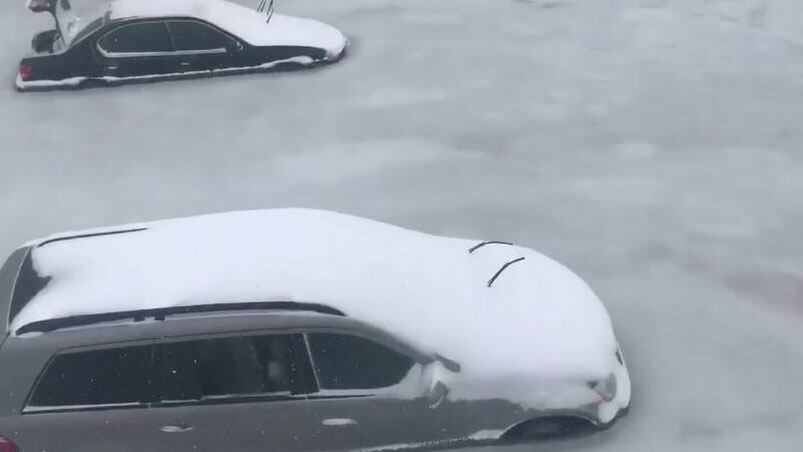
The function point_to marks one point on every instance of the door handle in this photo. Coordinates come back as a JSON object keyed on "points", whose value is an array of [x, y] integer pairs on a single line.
{"points": [[179, 428], [185, 63], [112, 68]]}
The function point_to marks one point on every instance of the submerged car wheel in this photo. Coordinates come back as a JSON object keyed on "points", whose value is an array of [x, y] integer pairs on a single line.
{"points": [[93, 83], [291, 66], [548, 428]]}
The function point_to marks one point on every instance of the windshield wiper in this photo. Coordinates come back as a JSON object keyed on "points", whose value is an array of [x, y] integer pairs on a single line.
{"points": [[488, 242], [504, 267]]}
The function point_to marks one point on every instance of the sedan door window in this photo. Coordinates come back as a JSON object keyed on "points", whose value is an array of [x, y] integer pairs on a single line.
{"points": [[227, 368], [141, 39], [190, 35], [352, 362]]}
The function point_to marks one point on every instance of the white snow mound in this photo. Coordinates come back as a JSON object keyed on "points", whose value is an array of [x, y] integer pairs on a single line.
{"points": [[538, 318]]}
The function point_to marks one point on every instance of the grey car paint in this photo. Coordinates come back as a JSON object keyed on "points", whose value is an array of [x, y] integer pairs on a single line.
{"points": [[419, 413], [8, 276]]}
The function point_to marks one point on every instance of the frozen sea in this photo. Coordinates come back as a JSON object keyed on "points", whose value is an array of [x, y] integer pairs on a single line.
{"points": [[654, 146]]}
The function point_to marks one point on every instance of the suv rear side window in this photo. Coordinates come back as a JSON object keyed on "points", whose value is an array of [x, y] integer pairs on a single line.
{"points": [[228, 367], [190, 35], [141, 38], [352, 362], [99, 377]]}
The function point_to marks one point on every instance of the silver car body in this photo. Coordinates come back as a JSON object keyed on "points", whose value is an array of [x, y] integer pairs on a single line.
{"points": [[435, 404]]}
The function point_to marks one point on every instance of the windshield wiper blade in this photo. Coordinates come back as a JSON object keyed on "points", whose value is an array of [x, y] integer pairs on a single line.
{"points": [[488, 242], [504, 267]]}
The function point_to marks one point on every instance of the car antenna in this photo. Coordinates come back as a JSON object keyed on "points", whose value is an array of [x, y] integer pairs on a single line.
{"points": [[488, 242], [504, 267], [263, 4]]}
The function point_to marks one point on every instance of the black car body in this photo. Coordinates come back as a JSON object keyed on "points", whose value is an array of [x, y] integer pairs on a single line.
{"points": [[145, 40]]}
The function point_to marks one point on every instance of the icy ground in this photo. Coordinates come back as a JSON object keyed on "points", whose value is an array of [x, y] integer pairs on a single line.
{"points": [[652, 145]]}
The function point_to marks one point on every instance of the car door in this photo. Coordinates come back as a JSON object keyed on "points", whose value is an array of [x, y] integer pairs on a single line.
{"points": [[371, 395], [93, 400], [201, 47], [240, 392], [137, 50]]}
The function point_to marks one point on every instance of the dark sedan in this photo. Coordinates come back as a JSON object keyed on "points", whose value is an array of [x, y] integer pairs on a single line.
{"points": [[144, 40]]}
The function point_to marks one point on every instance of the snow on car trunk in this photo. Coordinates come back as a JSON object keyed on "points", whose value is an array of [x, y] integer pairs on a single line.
{"points": [[538, 318]]}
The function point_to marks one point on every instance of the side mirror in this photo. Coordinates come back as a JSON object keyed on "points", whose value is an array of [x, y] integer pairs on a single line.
{"points": [[236, 47], [438, 394], [439, 374]]}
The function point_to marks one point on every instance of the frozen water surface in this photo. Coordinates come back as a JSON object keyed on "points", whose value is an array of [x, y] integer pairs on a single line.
{"points": [[654, 146]]}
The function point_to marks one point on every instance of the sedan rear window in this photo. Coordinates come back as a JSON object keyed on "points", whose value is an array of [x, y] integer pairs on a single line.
{"points": [[352, 362], [90, 28], [119, 376]]}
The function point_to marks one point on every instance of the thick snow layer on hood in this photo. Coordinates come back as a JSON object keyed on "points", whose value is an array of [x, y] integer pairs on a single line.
{"points": [[246, 23], [538, 317]]}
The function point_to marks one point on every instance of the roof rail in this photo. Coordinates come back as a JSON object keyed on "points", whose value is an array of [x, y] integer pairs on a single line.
{"points": [[86, 236], [45, 326]]}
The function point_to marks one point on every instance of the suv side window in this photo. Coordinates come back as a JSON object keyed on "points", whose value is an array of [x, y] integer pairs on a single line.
{"points": [[117, 376], [190, 35], [229, 367], [141, 38], [352, 362]]}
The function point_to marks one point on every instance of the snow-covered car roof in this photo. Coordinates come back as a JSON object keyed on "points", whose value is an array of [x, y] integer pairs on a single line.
{"points": [[537, 317], [244, 22], [202, 9]]}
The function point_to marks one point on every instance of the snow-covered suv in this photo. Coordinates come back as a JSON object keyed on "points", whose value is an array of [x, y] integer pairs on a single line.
{"points": [[294, 330]]}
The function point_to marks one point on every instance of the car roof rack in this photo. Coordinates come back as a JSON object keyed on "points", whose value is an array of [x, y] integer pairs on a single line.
{"points": [[88, 235], [45, 326]]}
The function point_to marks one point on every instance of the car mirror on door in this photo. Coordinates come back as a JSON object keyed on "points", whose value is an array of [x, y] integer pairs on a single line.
{"points": [[437, 377], [235, 47], [438, 394]]}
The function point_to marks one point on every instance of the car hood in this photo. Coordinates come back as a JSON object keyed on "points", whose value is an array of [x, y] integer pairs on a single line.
{"points": [[296, 31]]}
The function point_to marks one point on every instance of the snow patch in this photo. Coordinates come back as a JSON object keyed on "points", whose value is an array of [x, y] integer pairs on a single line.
{"points": [[399, 96], [338, 422], [483, 435], [636, 149]]}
